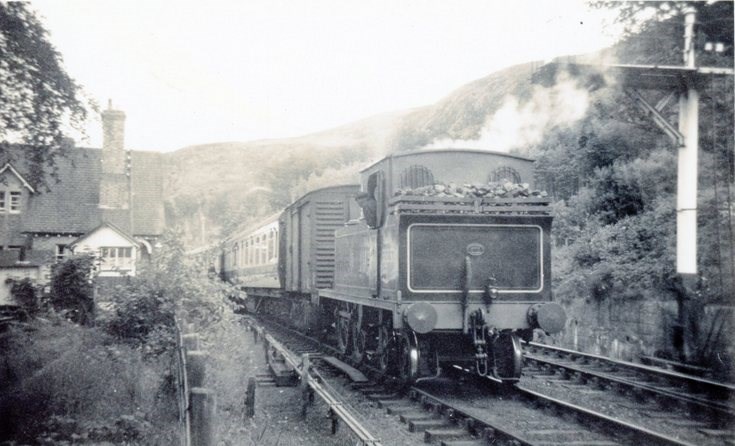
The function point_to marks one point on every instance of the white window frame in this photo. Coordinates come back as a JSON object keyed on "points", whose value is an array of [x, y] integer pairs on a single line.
{"points": [[60, 252], [114, 261], [14, 201]]}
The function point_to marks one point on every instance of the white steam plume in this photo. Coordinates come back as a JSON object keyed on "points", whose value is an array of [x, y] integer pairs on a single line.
{"points": [[516, 125]]}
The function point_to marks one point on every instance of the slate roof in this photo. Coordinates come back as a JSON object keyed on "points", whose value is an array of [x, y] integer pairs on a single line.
{"points": [[72, 204], [9, 259]]}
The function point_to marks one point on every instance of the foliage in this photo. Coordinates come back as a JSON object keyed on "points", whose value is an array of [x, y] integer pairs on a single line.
{"points": [[714, 18], [72, 288], [613, 174], [25, 293], [38, 97], [146, 305], [63, 382]]}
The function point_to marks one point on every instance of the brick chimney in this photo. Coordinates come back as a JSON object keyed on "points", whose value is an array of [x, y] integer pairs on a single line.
{"points": [[114, 181], [113, 140]]}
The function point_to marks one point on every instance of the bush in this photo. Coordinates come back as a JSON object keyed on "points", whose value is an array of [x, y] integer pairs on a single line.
{"points": [[72, 288], [145, 307], [25, 293], [64, 382]]}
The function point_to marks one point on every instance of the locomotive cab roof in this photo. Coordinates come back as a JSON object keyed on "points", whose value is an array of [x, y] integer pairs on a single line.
{"points": [[410, 170]]}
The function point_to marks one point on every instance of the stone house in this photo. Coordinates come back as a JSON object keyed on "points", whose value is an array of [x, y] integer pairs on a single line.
{"points": [[107, 201]]}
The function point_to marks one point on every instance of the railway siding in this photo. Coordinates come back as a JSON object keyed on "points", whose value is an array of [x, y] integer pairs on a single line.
{"points": [[683, 408]]}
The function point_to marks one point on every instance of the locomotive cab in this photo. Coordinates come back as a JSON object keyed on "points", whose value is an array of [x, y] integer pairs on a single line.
{"points": [[450, 265]]}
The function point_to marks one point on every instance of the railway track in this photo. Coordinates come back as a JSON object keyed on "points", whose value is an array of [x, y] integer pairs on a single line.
{"points": [[691, 409], [705, 394], [463, 410]]}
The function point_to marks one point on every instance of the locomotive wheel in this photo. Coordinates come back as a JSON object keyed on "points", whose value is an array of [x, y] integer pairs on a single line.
{"points": [[508, 357], [408, 356], [359, 341], [386, 354], [343, 328]]}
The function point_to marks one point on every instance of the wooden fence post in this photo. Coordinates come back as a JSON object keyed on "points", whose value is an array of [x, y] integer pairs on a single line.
{"points": [[203, 410], [250, 398], [191, 341], [196, 368]]}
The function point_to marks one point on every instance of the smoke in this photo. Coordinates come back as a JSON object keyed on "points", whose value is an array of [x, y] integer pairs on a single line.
{"points": [[516, 124]]}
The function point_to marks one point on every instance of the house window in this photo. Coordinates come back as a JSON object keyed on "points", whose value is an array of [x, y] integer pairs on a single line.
{"points": [[14, 201], [10, 201], [60, 253], [235, 249], [116, 258]]}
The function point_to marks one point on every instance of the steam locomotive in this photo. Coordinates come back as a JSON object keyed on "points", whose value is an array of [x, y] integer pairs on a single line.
{"points": [[408, 270]]}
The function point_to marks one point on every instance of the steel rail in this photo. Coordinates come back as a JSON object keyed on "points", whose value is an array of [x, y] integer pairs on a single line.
{"points": [[339, 409], [727, 387], [717, 398], [688, 398], [640, 432]]}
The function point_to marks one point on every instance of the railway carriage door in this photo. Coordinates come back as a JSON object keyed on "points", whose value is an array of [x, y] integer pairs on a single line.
{"points": [[305, 237], [293, 250]]}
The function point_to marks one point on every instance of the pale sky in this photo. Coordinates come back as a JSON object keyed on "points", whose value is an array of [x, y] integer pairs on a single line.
{"points": [[190, 72]]}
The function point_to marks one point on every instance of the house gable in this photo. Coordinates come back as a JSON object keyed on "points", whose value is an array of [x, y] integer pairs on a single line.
{"points": [[116, 250], [19, 178], [104, 235]]}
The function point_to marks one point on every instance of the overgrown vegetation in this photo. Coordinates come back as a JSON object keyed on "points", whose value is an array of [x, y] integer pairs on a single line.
{"points": [[613, 175], [109, 377], [38, 97], [72, 288]]}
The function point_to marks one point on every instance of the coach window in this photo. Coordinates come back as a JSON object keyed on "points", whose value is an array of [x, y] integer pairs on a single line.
{"points": [[270, 245], [505, 174]]}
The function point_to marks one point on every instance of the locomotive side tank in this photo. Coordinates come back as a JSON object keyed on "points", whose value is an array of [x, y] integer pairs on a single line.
{"points": [[432, 278]]}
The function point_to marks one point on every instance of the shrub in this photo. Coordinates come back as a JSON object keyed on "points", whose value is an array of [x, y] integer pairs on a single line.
{"points": [[64, 382], [25, 293], [72, 288]]}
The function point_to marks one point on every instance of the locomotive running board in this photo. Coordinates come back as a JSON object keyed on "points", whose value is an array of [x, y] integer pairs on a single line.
{"points": [[355, 375]]}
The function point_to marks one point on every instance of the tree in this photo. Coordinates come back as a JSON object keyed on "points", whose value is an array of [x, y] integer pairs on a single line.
{"points": [[714, 19], [37, 97]]}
